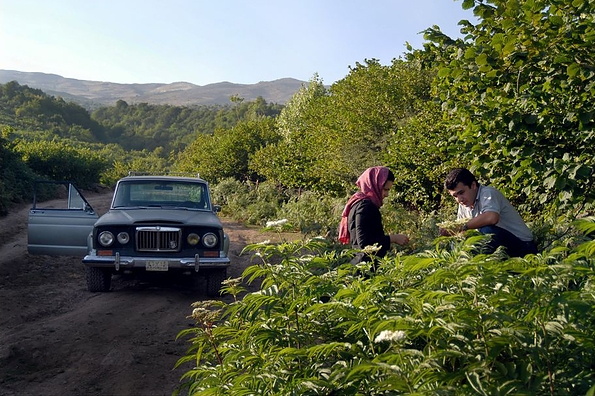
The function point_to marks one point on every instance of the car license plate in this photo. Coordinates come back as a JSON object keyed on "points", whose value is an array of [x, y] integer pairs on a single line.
{"points": [[156, 265]]}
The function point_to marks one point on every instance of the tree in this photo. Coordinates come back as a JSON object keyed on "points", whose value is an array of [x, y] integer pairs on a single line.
{"points": [[417, 153], [289, 161], [294, 118], [60, 160], [521, 90], [367, 112], [227, 153], [331, 136], [16, 178]]}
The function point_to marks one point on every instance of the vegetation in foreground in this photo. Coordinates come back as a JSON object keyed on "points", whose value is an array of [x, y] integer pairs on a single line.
{"points": [[446, 321]]}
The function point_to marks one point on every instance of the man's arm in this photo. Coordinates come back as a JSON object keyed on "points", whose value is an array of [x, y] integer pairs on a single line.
{"points": [[490, 205], [482, 220]]}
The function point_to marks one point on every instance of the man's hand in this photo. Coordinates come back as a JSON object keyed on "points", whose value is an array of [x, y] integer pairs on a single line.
{"points": [[450, 228], [446, 232]]}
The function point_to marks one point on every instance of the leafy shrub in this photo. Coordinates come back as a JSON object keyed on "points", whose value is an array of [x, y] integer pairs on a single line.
{"points": [[58, 160], [16, 178], [265, 200], [227, 188], [252, 203], [527, 131], [554, 232], [313, 214], [317, 214], [440, 322]]}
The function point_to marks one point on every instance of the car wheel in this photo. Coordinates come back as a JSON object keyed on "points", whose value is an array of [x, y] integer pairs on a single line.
{"points": [[214, 280], [98, 279]]}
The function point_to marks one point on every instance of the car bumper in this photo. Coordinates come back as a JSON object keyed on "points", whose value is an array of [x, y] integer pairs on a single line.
{"points": [[118, 262]]}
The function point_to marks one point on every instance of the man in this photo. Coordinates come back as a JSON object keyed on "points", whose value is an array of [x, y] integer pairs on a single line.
{"points": [[489, 212]]}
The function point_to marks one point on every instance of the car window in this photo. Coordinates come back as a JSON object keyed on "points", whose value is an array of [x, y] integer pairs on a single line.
{"points": [[157, 193], [64, 196], [75, 200]]}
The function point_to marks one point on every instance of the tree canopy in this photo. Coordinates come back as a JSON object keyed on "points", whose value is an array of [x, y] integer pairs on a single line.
{"points": [[519, 89]]}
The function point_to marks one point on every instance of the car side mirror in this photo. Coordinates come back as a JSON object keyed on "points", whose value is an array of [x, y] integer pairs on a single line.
{"points": [[216, 208]]}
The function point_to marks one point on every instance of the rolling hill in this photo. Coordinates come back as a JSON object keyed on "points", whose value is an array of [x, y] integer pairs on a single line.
{"points": [[92, 94]]}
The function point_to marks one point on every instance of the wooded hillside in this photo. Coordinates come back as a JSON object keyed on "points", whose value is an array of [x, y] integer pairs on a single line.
{"points": [[513, 101]]}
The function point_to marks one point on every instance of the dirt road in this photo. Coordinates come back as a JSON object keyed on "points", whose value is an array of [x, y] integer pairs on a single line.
{"points": [[56, 338]]}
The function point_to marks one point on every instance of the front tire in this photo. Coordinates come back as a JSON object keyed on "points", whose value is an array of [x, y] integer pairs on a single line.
{"points": [[214, 280], [98, 279]]}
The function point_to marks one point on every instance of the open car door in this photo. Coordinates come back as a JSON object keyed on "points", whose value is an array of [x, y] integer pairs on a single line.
{"points": [[63, 227]]}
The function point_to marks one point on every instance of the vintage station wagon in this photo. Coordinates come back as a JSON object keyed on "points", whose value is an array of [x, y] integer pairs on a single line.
{"points": [[155, 225]]}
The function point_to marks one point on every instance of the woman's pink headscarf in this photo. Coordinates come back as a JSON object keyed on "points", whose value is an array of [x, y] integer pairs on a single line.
{"points": [[370, 183]]}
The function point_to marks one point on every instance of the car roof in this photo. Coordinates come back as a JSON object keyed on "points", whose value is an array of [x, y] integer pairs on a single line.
{"points": [[163, 178]]}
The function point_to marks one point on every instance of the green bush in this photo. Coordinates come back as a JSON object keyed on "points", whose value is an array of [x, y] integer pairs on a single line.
{"points": [[442, 322], [316, 214], [60, 161], [313, 214], [16, 178], [226, 189], [252, 203]]}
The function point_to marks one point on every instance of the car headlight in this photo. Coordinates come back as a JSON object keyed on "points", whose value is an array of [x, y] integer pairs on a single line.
{"points": [[106, 238], [123, 238], [209, 240], [193, 239]]}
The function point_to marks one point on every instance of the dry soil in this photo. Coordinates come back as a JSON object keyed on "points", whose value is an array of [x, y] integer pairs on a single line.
{"points": [[56, 338]]}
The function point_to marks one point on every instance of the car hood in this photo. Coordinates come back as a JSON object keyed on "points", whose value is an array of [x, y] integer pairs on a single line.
{"points": [[144, 216]]}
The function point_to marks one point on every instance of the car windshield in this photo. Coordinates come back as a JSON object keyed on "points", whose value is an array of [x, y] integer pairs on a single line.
{"points": [[143, 193]]}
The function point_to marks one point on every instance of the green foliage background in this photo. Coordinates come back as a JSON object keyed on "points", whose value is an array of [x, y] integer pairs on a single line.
{"points": [[521, 88]]}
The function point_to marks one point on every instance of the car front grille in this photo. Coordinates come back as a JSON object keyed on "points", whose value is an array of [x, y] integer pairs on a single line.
{"points": [[158, 239]]}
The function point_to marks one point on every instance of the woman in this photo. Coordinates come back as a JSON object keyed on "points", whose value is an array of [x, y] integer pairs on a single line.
{"points": [[361, 222]]}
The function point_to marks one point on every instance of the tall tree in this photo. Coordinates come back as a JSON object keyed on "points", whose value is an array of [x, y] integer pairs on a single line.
{"points": [[227, 152], [289, 161], [331, 136], [521, 89], [368, 112]]}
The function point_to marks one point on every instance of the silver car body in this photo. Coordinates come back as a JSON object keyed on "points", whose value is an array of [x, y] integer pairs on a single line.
{"points": [[63, 229]]}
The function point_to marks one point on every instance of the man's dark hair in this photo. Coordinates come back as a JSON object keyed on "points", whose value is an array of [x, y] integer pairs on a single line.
{"points": [[457, 176]]}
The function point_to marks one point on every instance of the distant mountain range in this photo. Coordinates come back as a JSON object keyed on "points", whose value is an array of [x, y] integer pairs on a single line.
{"points": [[91, 94]]}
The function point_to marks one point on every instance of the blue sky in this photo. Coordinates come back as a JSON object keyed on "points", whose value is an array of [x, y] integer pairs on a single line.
{"points": [[204, 42]]}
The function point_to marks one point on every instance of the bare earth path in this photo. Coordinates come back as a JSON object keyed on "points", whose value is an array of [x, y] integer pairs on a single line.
{"points": [[56, 338]]}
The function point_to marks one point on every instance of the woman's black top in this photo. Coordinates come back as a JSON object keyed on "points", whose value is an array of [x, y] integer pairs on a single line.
{"points": [[365, 228]]}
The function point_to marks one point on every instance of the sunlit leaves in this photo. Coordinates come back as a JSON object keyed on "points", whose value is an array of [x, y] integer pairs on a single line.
{"points": [[526, 74], [227, 153], [445, 322], [61, 160], [377, 114]]}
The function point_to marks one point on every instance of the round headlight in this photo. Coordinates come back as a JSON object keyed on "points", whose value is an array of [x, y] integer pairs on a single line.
{"points": [[106, 238], [193, 239], [209, 240], [123, 238]]}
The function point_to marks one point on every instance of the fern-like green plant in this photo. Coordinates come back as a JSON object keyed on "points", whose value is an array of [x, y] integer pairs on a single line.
{"points": [[445, 321]]}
